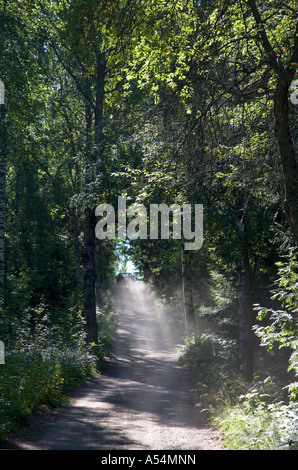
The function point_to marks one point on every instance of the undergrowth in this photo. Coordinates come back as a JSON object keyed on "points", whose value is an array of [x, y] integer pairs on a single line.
{"points": [[261, 415], [35, 376], [257, 416], [259, 425], [43, 366]]}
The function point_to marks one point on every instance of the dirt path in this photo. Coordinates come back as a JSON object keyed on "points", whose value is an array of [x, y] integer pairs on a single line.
{"points": [[143, 400]]}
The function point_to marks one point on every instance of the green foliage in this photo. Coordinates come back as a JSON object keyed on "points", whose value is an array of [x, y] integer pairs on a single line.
{"points": [[282, 328], [38, 374], [252, 417], [210, 357], [107, 323], [43, 364], [186, 92], [254, 425]]}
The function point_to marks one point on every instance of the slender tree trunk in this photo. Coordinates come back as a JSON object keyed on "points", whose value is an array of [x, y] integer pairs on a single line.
{"points": [[245, 315], [99, 159], [187, 292], [17, 223], [77, 251], [241, 312], [3, 164], [95, 171], [89, 276], [286, 74], [89, 240], [249, 352], [287, 150], [98, 274]]}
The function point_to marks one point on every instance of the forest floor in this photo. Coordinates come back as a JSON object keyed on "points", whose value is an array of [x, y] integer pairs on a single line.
{"points": [[143, 400]]}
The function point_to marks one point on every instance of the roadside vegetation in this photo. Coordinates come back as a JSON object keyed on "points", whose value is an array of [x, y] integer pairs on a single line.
{"points": [[159, 102], [42, 367], [262, 414]]}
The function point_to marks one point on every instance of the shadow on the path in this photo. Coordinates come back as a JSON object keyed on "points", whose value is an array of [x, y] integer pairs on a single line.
{"points": [[141, 387]]}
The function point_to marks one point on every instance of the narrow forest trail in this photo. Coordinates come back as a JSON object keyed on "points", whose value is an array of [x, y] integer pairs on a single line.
{"points": [[142, 401]]}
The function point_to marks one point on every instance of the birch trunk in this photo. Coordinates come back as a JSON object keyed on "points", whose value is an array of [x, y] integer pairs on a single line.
{"points": [[89, 277], [99, 159], [94, 171], [89, 239], [3, 164], [187, 292]]}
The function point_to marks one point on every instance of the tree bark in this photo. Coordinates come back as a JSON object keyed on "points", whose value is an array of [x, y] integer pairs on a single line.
{"points": [[89, 277], [287, 150], [187, 292], [94, 171], [77, 250], [249, 350], [286, 73], [3, 164], [245, 296], [241, 311], [99, 157], [89, 238]]}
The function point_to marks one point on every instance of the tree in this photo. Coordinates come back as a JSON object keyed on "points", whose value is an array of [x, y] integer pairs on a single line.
{"points": [[14, 80], [187, 292], [3, 164], [223, 84], [283, 64], [89, 40]]}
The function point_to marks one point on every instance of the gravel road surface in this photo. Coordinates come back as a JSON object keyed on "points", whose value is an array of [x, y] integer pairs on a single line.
{"points": [[142, 401]]}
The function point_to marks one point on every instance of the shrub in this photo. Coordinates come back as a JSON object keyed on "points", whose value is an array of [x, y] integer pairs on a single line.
{"points": [[34, 376], [44, 363], [210, 358], [257, 425]]}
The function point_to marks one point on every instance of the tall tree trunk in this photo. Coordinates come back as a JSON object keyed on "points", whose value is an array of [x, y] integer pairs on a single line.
{"points": [[77, 250], [245, 315], [98, 274], [241, 311], [89, 240], [3, 164], [249, 352], [187, 292], [95, 172], [99, 158], [287, 150], [17, 223], [89, 277], [286, 74]]}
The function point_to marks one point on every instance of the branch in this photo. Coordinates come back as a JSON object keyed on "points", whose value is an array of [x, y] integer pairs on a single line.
{"points": [[273, 61], [68, 69], [294, 57]]}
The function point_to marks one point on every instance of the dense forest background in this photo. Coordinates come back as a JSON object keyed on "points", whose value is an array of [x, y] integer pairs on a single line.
{"points": [[162, 102]]}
